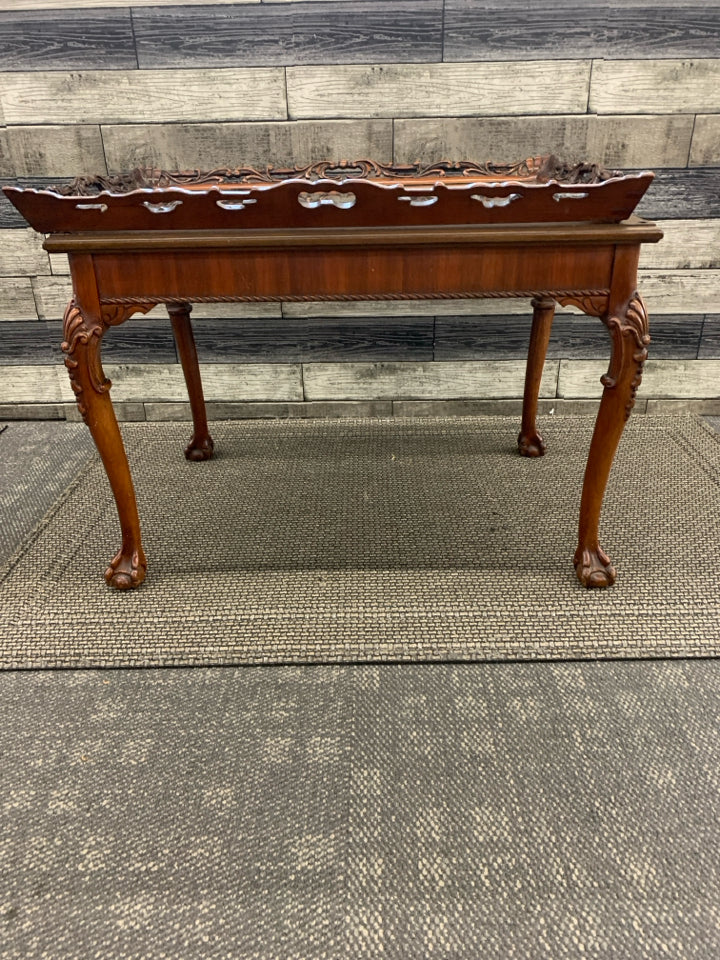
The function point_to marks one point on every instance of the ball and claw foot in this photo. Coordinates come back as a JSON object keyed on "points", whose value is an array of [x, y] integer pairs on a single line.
{"points": [[198, 450], [126, 572], [531, 445], [594, 568]]}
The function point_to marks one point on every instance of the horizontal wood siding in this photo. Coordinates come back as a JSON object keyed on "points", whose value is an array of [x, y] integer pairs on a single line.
{"points": [[625, 142], [655, 86], [480, 31], [132, 96], [208, 145], [441, 89], [33, 41], [98, 86], [359, 31]]}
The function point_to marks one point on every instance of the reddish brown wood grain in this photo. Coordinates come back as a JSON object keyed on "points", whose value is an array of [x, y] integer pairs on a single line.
{"points": [[401, 251]]}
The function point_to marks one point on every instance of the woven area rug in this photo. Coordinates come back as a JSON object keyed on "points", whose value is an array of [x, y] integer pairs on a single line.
{"points": [[375, 540]]}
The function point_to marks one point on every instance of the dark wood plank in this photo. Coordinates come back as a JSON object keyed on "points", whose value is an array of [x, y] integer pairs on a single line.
{"points": [[28, 342], [478, 30], [67, 40], [573, 337], [482, 30], [366, 31], [646, 32], [288, 340], [139, 340], [682, 195], [710, 340]]}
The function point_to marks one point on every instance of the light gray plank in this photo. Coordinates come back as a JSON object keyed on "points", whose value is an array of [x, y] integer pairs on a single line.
{"points": [[624, 142], [687, 244], [51, 296], [440, 89], [7, 168], [408, 308], [673, 408], [137, 96], [16, 299], [221, 381], [52, 151], [211, 145], [237, 311], [705, 149], [662, 379], [32, 411], [421, 381], [680, 291], [30, 384], [655, 86], [21, 253], [59, 265]]}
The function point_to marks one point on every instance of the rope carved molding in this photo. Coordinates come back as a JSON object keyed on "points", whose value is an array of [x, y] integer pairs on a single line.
{"points": [[85, 332]]}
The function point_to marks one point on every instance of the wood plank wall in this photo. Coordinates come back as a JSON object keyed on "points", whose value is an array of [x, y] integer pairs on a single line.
{"points": [[97, 85]]}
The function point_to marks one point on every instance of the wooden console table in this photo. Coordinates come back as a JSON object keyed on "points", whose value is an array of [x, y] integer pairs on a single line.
{"points": [[324, 233]]}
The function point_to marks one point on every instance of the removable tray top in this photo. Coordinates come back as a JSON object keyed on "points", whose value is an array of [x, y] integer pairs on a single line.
{"points": [[359, 193]]}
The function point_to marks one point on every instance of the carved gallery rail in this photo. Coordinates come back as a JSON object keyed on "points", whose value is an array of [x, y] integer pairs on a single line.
{"points": [[585, 262]]}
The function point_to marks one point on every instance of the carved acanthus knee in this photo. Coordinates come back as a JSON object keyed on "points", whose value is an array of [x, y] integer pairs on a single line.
{"points": [[82, 339], [629, 331]]}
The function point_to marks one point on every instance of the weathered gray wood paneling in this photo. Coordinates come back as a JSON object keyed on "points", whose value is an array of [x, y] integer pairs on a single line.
{"points": [[16, 299], [297, 339], [354, 31], [285, 340], [687, 244], [21, 253], [221, 381], [502, 31], [655, 86], [576, 337], [31, 384], [137, 96], [101, 39], [441, 89], [625, 142], [51, 296], [7, 168], [682, 194], [209, 145], [663, 379], [54, 151], [705, 150], [31, 343], [709, 348], [252, 383], [383, 381], [680, 291]]}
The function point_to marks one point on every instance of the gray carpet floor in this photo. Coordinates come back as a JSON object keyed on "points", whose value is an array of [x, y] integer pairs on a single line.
{"points": [[406, 811], [319, 812]]}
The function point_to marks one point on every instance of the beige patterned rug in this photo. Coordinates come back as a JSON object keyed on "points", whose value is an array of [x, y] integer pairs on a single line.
{"points": [[375, 540]]}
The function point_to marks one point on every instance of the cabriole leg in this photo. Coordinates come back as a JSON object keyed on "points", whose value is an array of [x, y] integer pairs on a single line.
{"points": [[530, 443], [200, 446], [630, 338], [83, 336]]}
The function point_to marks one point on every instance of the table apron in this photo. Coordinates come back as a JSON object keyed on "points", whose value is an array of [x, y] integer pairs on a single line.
{"points": [[342, 272]]}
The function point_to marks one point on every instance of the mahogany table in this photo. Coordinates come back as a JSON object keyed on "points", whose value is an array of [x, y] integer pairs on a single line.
{"points": [[538, 230]]}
